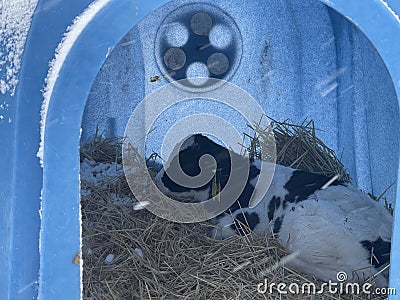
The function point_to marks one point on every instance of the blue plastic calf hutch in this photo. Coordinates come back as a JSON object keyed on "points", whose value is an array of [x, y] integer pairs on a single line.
{"points": [[53, 93]]}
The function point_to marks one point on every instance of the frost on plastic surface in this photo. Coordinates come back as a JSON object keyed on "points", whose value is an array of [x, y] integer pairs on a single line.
{"points": [[71, 35], [396, 16], [15, 20]]}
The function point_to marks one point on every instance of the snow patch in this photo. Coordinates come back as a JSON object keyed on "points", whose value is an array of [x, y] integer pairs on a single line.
{"points": [[100, 174], [61, 53], [109, 259], [119, 201], [16, 17], [97, 174], [109, 50], [138, 252]]}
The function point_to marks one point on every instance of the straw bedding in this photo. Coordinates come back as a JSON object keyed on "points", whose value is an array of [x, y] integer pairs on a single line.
{"points": [[129, 253]]}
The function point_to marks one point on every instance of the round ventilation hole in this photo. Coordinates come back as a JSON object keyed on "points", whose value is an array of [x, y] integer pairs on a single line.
{"points": [[198, 40]]}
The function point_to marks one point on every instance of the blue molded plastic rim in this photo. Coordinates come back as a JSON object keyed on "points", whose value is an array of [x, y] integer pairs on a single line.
{"points": [[60, 225]]}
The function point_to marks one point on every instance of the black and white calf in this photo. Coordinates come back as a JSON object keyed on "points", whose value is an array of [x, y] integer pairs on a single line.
{"points": [[330, 229]]}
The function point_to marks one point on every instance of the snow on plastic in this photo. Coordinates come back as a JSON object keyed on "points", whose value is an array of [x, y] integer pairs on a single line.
{"points": [[61, 53], [16, 17]]}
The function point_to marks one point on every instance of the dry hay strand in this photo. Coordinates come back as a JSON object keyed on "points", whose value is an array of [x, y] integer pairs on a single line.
{"points": [[129, 253], [159, 259], [101, 149], [297, 146]]}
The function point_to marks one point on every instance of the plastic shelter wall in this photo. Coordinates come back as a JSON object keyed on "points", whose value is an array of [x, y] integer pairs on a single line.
{"points": [[37, 249]]}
